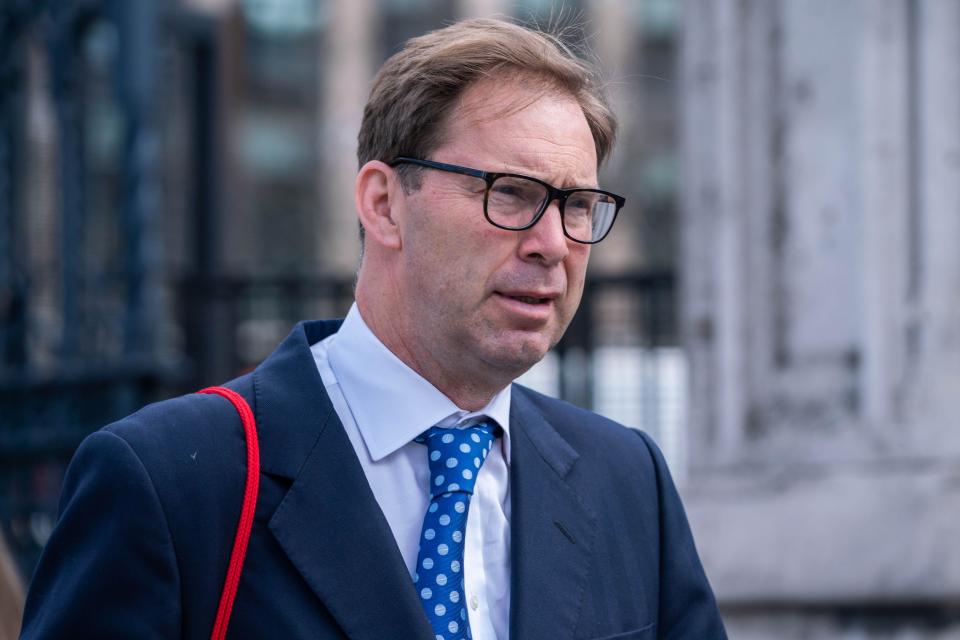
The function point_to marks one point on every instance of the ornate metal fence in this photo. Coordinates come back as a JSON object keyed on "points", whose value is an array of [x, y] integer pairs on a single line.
{"points": [[82, 310]]}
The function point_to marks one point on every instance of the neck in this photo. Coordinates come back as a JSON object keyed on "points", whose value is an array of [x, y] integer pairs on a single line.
{"points": [[469, 392]]}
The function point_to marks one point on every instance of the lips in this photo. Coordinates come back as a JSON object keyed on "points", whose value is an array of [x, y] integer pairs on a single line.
{"points": [[529, 297], [526, 309]]}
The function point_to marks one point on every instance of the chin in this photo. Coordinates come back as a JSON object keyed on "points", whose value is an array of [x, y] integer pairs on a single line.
{"points": [[517, 354]]}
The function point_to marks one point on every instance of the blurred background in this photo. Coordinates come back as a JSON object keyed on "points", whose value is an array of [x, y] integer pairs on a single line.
{"points": [[779, 303]]}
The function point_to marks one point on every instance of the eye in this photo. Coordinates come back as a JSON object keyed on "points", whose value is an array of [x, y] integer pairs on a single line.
{"points": [[512, 189], [579, 204]]}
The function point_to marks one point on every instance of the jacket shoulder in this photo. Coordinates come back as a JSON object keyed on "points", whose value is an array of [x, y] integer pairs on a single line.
{"points": [[193, 451], [584, 429], [186, 424]]}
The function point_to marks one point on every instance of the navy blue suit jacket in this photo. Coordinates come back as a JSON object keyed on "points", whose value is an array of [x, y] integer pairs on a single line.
{"points": [[600, 545]]}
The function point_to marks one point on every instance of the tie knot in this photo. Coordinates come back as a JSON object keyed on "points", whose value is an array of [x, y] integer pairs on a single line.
{"points": [[456, 456]]}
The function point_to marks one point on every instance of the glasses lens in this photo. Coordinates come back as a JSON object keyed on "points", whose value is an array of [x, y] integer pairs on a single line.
{"points": [[588, 215], [513, 202]]}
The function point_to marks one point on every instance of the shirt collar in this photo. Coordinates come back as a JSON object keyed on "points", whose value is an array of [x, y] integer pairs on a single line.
{"points": [[391, 403]]}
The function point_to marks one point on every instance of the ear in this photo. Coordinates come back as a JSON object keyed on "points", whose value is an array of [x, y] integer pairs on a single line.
{"points": [[378, 197]]}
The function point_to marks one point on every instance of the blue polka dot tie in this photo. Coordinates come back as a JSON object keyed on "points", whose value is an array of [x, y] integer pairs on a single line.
{"points": [[455, 457]]}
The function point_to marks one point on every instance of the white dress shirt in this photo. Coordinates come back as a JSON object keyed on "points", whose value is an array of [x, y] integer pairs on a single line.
{"points": [[383, 405]]}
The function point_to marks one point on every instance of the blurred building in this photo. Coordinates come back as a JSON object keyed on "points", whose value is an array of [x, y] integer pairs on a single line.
{"points": [[821, 297]]}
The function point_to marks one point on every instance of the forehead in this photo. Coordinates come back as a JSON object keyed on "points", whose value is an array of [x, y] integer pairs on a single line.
{"points": [[524, 125]]}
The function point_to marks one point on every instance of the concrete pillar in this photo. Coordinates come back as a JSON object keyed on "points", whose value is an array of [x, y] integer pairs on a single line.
{"points": [[887, 116], [612, 31], [716, 158], [936, 395], [348, 67]]}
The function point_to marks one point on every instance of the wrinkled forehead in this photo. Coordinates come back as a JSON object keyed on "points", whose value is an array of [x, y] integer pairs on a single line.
{"points": [[537, 124], [497, 96]]}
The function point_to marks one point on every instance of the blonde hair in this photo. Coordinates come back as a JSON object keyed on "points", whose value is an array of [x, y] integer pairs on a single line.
{"points": [[417, 88]]}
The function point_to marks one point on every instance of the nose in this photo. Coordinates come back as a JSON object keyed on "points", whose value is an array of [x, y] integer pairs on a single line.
{"points": [[544, 242]]}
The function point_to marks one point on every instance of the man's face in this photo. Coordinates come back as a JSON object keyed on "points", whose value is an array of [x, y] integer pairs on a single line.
{"points": [[479, 297]]}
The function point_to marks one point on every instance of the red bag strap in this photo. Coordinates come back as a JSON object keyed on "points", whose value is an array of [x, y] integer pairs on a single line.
{"points": [[246, 514]]}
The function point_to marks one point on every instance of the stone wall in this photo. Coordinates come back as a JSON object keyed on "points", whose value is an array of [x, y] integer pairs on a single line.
{"points": [[821, 310]]}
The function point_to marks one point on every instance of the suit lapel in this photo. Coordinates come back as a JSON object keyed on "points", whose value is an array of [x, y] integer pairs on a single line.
{"points": [[329, 523], [552, 532], [331, 527]]}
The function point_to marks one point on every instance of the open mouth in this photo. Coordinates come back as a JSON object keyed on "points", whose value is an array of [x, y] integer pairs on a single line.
{"points": [[525, 299]]}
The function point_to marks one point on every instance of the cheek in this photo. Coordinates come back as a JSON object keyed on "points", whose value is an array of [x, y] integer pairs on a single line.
{"points": [[576, 263], [576, 268], [447, 259], [468, 255], [427, 237], [439, 225]]}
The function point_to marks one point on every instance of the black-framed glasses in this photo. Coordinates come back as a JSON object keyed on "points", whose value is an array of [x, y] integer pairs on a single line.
{"points": [[516, 202]]}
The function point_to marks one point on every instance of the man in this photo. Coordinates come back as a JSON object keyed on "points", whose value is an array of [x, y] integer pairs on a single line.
{"points": [[408, 489]]}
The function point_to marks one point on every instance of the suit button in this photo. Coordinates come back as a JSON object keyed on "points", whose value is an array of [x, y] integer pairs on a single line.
{"points": [[474, 602]]}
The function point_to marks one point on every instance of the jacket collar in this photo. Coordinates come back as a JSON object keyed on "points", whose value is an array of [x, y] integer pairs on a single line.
{"points": [[290, 402]]}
